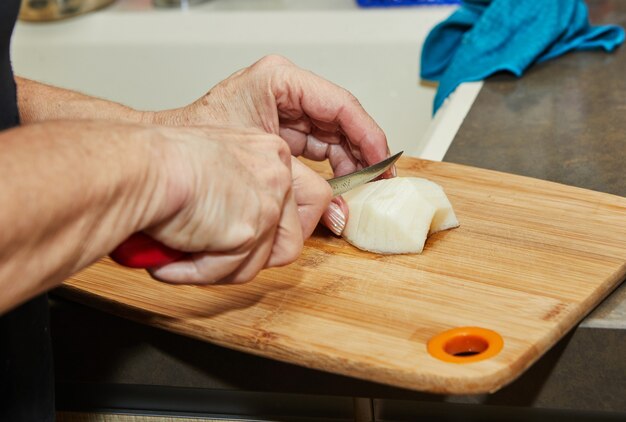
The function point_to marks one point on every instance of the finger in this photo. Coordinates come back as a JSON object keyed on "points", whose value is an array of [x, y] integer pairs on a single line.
{"points": [[295, 139], [289, 239], [391, 171], [302, 124], [341, 161], [312, 195], [332, 138], [202, 268], [336, 215], [333, 104], [254, 262], [315, 149]]}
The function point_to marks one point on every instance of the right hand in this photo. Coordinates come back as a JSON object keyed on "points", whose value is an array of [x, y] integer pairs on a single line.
{"points": [[238, 212], [318, 119]]}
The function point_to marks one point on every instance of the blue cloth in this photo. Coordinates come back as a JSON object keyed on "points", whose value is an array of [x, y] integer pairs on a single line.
{"points": [[483, 37]]}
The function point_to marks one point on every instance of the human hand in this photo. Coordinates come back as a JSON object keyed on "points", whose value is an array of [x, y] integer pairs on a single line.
{"points": [[316, 118], [239, 209]]}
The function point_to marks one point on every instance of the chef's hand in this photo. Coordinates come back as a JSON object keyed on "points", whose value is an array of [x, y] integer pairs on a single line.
{"points": [[240, 192], [318, 119]]}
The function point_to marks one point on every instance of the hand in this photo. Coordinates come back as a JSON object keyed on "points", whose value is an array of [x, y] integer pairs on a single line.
{"points": [[317, 119], [240, 210]]}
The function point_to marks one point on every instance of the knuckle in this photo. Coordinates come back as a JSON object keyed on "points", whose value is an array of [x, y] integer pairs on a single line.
{"points": [[245, 236], [272, 60], [278, 179], [351, 99], [284, 153], [272, 213], [279, 170], [279, 145]]}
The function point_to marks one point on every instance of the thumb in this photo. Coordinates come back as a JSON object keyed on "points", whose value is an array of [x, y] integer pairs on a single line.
{"points": [[336, 215]]}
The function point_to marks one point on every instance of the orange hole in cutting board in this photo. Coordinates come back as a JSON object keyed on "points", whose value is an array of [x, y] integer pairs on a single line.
{"points": [[465, 345]]}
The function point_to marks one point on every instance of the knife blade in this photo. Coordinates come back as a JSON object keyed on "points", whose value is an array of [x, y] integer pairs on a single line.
{"points": [[142, 251], [343, 184]]}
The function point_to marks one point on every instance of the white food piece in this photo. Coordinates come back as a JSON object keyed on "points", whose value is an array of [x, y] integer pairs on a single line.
{"points": [[444, 218], [393, 216]]}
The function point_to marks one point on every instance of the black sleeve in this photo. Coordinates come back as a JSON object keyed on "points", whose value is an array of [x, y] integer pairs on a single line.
{"points": [[26, 371]]}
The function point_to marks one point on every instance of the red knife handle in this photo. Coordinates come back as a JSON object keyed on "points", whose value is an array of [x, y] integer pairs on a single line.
{"points": [[142, 251]]}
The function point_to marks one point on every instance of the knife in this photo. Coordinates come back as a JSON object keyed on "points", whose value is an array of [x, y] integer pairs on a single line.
{"points": [[142, 251], [343, 184]]}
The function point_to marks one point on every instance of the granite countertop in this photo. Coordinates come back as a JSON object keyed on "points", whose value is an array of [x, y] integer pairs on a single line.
{"points": [[563, 121]]}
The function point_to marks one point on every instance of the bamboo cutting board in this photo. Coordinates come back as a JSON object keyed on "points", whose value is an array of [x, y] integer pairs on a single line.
{"points": [[530, 260]]}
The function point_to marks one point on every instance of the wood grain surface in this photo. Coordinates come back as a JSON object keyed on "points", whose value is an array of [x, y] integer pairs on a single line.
{"points": [[530, 259]]}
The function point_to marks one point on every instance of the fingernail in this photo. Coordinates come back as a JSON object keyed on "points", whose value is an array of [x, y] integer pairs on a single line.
{"points": [[336, 219]]}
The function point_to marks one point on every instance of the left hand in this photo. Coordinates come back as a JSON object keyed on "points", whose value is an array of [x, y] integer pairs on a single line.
{"points": [[318, 120]]}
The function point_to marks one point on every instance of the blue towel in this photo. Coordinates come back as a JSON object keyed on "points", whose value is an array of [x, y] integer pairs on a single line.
{"points": [[483, 37]]}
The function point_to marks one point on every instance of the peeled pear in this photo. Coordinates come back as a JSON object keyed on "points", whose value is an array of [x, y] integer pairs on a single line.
{"points": [[394, 216], [444, 216]]}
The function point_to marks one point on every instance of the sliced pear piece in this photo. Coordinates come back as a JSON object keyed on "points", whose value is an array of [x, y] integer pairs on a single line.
{"points": [[393, 216], [444, 216]]}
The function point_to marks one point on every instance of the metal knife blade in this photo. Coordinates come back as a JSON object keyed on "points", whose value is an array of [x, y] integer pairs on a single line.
{"points": [[343, 184]]}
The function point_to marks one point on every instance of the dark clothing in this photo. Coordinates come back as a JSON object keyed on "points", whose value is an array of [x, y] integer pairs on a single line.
{"points": [[26, 372], [8, 100]]}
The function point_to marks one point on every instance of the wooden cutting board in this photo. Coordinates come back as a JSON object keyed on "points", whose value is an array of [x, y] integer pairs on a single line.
{"points": [[530, 259]]}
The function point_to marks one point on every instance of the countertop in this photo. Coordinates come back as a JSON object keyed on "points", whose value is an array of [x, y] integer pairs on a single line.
{"points": [[562, 121]]}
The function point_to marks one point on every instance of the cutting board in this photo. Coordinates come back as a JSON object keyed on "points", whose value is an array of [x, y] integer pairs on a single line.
{"points": [[472, 312]]}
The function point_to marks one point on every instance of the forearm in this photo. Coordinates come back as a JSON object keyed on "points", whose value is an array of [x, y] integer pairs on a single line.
{"points": [[40, 102], [69, 196]]}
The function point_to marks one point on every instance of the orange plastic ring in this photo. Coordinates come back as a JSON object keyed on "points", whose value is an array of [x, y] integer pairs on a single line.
{"points": [[465, 345]]}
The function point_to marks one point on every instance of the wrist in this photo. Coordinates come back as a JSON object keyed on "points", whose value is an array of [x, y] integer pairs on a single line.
{"points": [[194, 114], [173, 117], [145, 117], [170, 187]]}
